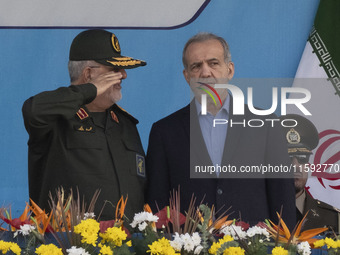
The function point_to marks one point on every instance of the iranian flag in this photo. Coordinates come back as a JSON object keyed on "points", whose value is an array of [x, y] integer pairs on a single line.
{"points": [[319, 72]]}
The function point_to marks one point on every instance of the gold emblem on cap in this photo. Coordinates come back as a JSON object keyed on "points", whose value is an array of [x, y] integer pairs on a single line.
{"points": [[293, 137], [115, 43]]}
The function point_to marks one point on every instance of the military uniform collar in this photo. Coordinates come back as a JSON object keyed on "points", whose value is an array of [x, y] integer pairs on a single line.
{"points": [[118, 109]]}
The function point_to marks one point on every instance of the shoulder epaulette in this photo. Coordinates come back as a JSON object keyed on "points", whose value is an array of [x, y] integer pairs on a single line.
{"points": [[327, 206], [123, 111]]}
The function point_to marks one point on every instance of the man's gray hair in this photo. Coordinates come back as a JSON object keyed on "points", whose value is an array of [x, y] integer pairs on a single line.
{"points": [[75, 68], [205, 36]]}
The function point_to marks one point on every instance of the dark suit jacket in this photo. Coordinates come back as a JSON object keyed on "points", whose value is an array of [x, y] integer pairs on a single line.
{"points": [[253, 200], [319, 215]]}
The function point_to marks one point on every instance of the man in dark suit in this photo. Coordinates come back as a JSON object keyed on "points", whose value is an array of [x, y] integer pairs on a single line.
{"points": [[301, 140], [185, 147]]}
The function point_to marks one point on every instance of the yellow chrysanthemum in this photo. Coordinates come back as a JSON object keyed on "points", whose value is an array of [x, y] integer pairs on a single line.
{"points": [[330, 243], [88, 229], [105, 250], [234, 251], [161, 247], [279, 251], [49, 249], [155, 248], [9, 246], [114, 235], [129, 243], [216, 245], [337, 243], [319, 243]]}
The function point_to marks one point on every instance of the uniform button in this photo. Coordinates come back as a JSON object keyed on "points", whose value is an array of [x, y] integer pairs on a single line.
{"points": [[219, 191]]}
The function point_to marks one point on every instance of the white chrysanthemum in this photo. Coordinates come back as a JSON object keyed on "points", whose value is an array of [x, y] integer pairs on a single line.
{"points": [[196, 238], [198, 249], [141, 217], [255, 230], [142, 226], [235, 231], [24, 230], [189, 246], [151, 218], [77, 251], [176, 236], [304, 248], [187, 242], [90, 215], [177, 242], [186, 238]]}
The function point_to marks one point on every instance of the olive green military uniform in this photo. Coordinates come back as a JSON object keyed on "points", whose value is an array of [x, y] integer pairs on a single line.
{"points": [[74, 148], [319, 215]]}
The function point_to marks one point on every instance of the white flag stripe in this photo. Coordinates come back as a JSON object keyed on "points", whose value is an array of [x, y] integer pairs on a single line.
{"points": [[324, 106]]}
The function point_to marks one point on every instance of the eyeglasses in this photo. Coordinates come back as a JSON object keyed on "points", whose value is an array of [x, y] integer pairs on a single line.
{"points": [[114, 69], [302, 159]]}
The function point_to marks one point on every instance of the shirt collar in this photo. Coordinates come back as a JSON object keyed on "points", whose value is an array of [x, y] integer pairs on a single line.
{"points": [[225, 106]]}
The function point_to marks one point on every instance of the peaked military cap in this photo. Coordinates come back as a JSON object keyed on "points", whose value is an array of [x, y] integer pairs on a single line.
{"points": [[103, 47], [302, 138]]}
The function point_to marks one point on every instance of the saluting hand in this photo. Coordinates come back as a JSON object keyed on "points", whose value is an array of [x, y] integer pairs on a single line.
{"points": [[106, 80]]}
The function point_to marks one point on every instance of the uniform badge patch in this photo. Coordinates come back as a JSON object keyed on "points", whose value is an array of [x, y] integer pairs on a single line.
{"points": [[140, 165], [114, 117], [82, 128], [82, 114]]}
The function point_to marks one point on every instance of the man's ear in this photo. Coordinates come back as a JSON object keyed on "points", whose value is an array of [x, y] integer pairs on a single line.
{"points": [[231, 70], [186, 76], [86, 74]]}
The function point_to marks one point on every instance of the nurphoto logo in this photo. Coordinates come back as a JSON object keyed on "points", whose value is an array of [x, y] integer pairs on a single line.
{"points": [[214, 91]]}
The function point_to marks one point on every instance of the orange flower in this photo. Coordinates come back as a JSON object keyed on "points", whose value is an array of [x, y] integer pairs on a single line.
{"points": [[120, 208], [41, 218], [283, 234]]}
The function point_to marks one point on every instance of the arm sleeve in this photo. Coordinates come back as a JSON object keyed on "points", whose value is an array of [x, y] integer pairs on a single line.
{"points": [[157, 171], [42, 111]]}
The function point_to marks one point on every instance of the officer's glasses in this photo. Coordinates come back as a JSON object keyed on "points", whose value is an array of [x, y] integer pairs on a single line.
{"points": [[302, 159], [114, 69]]}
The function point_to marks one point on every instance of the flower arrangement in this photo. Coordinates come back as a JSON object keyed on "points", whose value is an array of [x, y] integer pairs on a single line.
{"points": [[332, 246], [70, 230]]}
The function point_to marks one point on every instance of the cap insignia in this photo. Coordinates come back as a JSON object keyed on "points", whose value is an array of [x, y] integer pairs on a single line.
{"points": [[293, 137], [115, 43]]}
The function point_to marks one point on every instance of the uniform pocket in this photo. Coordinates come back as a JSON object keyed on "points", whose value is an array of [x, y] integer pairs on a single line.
{"points": [[86, 154], [83, 140]]}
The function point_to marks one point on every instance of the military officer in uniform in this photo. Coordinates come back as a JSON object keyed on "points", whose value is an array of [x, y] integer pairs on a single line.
{"points": [[79, 138], [301, 140]]}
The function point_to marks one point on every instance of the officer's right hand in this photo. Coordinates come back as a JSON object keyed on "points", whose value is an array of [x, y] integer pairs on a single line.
{"points": [[106, 80]]}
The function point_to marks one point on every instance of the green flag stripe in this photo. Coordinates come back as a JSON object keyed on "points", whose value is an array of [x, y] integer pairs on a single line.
{"points": [[325, 37], [327, 24]]}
